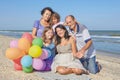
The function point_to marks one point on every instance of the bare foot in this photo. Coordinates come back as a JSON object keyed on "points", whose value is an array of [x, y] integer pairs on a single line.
{"points": [[99, 66]]}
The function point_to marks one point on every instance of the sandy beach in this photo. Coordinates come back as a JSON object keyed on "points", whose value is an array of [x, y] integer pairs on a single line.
{"points": [[110, 66]]}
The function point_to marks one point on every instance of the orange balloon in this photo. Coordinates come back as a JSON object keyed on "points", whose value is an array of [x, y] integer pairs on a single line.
{"points": [[24, 45], [14, 53]]}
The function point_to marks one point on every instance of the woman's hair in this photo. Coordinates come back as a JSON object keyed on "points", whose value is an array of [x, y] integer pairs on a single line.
{"points": [[46, 8], [54, 15], [44, 32], [57, 38]]}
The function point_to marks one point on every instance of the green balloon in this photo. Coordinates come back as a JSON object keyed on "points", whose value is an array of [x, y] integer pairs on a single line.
{"points": [[37, 41], [28, 69]]}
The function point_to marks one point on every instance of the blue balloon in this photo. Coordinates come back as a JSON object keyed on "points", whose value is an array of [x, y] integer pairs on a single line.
{"points": [[26, 61]]}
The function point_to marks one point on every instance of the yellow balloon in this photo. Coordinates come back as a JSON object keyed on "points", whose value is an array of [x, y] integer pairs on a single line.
{"points": [[35, 51]]}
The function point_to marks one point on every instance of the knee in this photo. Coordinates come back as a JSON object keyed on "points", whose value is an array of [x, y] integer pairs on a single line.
{"points": [[61, 71], [77, 71], [93, 71]]}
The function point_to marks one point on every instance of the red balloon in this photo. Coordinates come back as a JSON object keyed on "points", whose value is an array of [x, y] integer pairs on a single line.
{"points": [[28, 36], [17, 61], [17, 66]]}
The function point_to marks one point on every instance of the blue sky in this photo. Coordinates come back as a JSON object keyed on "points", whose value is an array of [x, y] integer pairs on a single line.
{"points": [[95, 14]]}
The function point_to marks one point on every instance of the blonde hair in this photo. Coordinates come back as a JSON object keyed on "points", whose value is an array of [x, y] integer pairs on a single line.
{"points": [[43, 34]]}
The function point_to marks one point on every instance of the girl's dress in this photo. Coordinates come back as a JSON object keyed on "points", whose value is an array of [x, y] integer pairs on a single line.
{"points": [[51, 50], [65, 58]]}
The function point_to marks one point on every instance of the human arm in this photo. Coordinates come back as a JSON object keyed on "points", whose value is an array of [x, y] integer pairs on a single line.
{"points": [[81, 52], [34, 32], [35, 27], [74, 48], [88, 41]]}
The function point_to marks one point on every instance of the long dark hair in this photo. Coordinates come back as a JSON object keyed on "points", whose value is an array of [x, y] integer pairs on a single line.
{"points": [[47, 8], [57, 38]]}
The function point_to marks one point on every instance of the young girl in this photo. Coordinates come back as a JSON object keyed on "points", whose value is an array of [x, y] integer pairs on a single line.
{"points": [[55, 20], [65, 62], [48, 44]]}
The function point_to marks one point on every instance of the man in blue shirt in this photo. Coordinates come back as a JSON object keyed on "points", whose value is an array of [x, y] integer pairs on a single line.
{"points": [[86, 51]]}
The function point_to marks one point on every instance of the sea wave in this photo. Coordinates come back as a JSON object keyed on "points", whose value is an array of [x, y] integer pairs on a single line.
{"points": [[12, 31], [98, 36]]}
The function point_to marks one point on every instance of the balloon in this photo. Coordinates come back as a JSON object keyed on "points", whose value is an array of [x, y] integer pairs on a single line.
{"points": [[26, 61], [28, 36], [38, 64], [28, 69], [17, 61], [35, 51], [17, 66], [50, 58], [44, 54], [48, 65], [24, 45], [37, 41], [14, 44], [14, 53], [49, 53]]}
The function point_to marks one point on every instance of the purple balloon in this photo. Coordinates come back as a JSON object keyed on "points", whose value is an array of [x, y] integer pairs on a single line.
{"points": [[48, 65], [14, 44]]}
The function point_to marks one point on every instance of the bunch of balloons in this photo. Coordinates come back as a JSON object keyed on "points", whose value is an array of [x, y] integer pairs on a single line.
{"points": [[27, 54]]}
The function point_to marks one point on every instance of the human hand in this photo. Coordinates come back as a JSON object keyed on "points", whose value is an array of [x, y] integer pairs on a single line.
{"points": [[72, 36], [80, 54]]}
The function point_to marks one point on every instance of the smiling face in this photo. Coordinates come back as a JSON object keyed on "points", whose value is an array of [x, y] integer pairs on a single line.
{"points": [[70, 22], [49, 34], [54, 20], [46, 15], [60, 32]]}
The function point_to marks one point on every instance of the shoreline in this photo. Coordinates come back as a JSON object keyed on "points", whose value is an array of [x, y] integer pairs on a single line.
{"points": [[110, 66], [105, 53]]}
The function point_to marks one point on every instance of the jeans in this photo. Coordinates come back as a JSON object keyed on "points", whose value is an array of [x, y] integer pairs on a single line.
{"points": [[90, 64]]}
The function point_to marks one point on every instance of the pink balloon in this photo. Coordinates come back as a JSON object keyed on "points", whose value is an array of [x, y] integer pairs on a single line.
{"points": [[44, 54], [28, 36], [44, 66], [38, 64], [14, 44]]}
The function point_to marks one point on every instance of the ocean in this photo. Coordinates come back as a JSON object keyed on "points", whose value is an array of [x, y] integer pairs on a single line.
{"points": [[103, 40]]}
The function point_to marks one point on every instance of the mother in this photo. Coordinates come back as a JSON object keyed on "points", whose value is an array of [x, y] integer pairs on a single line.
{"points": [[39, 25]]}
